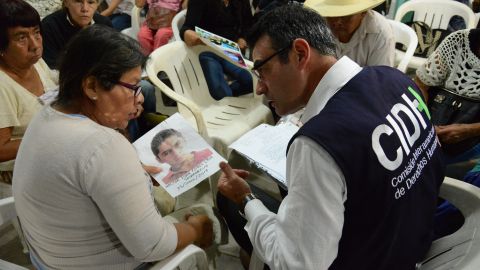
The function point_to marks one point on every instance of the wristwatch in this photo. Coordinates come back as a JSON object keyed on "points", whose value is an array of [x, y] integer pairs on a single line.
{"points": [[248, 197]]}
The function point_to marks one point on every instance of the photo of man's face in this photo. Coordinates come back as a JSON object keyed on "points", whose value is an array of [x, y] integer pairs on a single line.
{"points": [[171, 151]]}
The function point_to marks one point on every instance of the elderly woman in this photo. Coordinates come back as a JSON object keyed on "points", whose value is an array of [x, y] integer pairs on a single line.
{"points": [[24, 76], [81, 194]]}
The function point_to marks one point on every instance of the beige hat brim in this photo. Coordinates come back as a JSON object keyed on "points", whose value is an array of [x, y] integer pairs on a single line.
{"points": [[337, 8]]}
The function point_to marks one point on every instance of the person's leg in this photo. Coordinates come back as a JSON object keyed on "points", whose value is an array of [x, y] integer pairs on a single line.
{"points": [[121, 21], [162, 36], [145, 38], [213, 71], [243, 82], [236, 223]]}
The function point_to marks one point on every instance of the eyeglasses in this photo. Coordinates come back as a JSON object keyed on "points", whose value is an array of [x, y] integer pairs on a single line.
{"points": [[137, 89], [260, 63]]}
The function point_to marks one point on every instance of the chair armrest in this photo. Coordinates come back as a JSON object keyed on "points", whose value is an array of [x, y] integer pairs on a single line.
{"points": [[174, 260]]}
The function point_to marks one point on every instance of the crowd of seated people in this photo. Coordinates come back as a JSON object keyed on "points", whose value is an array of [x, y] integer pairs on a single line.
{"points": [[331, 59], [59, 27]]}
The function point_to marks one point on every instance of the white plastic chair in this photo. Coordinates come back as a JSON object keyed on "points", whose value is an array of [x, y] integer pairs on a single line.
{"points": [[7, 214], [177, 23], [191, 257], [407, 37], [136, 21], [219, 122], [436, 14], [460, 250]]}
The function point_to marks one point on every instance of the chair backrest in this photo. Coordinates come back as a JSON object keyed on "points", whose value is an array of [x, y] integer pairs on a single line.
{"points": [[407, 37], [136, 19], [177, 23], [7, 214], [182, 66], [436, 13], [460, 250], [191, 257], [136, 22]]}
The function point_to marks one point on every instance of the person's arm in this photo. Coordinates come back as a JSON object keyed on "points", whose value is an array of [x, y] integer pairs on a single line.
{"points": [[307, 229], [455, 133], [121, 190], [195, 13], [436, 70], [8, 147], [111, 8]]}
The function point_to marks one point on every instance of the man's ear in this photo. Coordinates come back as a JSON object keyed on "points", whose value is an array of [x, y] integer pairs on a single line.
{"points": [[89, 85], [156, 157], [302, 50]]}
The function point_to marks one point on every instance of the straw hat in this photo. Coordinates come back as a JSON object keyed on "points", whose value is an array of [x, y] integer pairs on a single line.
{"points": [[339, 8]]}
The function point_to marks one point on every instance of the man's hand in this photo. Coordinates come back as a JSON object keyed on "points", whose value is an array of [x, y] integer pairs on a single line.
{"points": [[454, 133], [203, 229], [232, 183]]}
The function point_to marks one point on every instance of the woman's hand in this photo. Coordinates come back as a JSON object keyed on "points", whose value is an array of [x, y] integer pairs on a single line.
{"points": [[203, 228], [191, 38], [152, 170], [242, 43], [455, 133]]}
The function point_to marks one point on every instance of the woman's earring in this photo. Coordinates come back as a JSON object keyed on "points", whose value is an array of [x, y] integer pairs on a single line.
{"points": [[94, 98]]}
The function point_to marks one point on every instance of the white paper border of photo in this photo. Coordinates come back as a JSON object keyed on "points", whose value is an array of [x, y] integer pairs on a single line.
{"points": [[193, 142]]}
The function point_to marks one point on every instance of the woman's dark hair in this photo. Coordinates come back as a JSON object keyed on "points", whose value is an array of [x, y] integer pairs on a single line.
{"points": [[14, 13], [97, 51], [161, 136]]}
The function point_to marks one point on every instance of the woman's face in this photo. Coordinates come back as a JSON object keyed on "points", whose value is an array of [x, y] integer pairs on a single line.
{"points": [[24, 46], [171, 151], [114, 108], [81, 11]]}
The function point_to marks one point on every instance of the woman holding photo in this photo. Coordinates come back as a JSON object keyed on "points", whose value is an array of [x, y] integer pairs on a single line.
{"points": [[81, 193]]}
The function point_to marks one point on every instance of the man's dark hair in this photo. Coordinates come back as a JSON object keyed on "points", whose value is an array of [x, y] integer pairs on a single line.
{"points": [[97, 51], [161, 137], [289, 22], [14, 13]]}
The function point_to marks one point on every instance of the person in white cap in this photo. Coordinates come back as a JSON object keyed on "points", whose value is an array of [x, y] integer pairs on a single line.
{"points": [[360, 33]]}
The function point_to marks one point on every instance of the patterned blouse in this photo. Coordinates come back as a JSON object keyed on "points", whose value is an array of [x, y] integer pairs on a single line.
{"points": [[455, 64]]}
